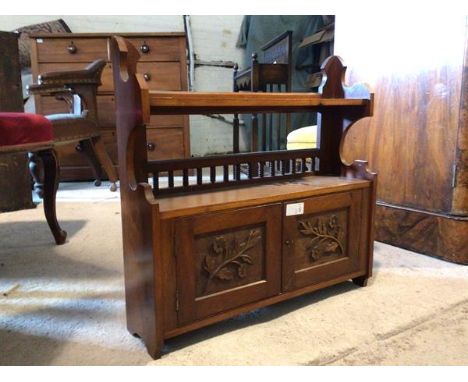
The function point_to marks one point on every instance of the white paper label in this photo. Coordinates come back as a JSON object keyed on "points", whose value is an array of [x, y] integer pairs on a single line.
{"points": [[39, 40], [294, 209]]}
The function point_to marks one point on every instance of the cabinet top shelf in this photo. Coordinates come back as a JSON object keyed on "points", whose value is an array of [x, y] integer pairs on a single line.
{"points": [[184, 205], [227, 102]]}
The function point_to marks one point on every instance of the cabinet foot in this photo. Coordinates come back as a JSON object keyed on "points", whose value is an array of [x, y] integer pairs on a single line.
{"points": [[154, 350], [361, 281]]}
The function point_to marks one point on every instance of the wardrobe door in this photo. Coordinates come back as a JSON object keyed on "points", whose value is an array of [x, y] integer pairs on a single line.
{"points": [[228, 259], [321, 239]]}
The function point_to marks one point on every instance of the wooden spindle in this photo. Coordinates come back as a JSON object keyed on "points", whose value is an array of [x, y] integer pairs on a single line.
{"points": [[237, 172], [170, 178], [199, 175], [226, 173], [213, 174], [270, 125], [156, 180], [185, 180]]}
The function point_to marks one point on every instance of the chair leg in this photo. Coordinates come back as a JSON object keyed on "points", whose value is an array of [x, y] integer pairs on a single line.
{"points": [[86, 147], [51, 178], [35, 169], [106, 162]]}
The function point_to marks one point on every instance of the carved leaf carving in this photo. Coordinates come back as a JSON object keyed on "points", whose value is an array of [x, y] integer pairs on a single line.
{"points": [[225, 261], [327, 236]]}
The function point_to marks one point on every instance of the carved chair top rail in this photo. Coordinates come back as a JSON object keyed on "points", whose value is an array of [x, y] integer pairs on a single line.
{"points": [[278, 50]]}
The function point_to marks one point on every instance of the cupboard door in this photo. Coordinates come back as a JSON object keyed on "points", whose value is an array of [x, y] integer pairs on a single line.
{"points": [[321, 242], [226, 260]]}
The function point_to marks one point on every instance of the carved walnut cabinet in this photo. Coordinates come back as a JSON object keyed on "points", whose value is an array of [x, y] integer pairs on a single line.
{"points": [[229, 260]]}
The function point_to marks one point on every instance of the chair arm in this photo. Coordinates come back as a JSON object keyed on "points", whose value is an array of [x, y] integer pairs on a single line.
{"points": [[90, 75], [48, 89]]}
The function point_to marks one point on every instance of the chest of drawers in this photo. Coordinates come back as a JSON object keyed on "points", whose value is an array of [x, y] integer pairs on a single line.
{"points": [[163, 63]]}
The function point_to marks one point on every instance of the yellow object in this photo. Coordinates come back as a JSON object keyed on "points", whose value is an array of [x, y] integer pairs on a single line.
{"points": [[303, 138]]}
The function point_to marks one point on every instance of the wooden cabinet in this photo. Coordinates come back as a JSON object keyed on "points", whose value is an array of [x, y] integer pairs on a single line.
{"points": [[202, 248], [229, 259], [163, 65], [418, 136]]}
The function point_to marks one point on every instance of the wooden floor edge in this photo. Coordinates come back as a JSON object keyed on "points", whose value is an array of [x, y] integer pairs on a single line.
{"points": [[260, 304]]}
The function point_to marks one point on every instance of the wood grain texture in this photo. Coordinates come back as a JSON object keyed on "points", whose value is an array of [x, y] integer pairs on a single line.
{"points": [[177, 206], [433, 234], [412, 136], [417, 138], [219, 102], [15, 181], [460, 190]]}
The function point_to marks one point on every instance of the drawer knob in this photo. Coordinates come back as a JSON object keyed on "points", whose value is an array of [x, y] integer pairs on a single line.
{"points": [[150, 146], [144, 48], [72, 48], [147, 76]]}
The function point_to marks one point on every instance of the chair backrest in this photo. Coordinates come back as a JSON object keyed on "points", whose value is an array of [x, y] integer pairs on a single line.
{"points": [[278, 50]]}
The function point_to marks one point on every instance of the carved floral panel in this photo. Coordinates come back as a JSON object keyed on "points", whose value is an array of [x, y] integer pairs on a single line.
{"points": [[321, 238], [229, 259]]}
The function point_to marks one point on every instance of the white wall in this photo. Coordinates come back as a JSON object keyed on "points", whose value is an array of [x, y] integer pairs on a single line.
{"points": [[214, 39]]}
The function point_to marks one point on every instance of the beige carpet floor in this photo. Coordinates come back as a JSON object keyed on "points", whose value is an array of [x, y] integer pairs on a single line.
{"points": [[64, 305]]}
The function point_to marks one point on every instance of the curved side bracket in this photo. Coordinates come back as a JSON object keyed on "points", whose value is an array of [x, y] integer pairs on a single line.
{"points": [[332, 85], [333, 81], [132, 109]]}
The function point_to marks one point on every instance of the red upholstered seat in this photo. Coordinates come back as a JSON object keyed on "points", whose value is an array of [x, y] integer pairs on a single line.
{"points": [[23, 128]]}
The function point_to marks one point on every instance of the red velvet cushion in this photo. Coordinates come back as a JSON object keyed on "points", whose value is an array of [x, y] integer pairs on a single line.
{"points": [[23, 128]]}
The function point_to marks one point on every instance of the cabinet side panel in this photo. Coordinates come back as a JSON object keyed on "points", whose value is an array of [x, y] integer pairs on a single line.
{"points": [[460, 191]]}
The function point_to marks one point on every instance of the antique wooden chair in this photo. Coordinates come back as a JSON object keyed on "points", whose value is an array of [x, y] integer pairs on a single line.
{"points": [[78, 88], [271, 74], [23, 132]]}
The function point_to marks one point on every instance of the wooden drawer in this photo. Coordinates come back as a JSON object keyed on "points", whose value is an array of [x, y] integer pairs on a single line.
{"points": [[106, 77], [160, 48], [57, 49], [70, 157], [106, 108], [226, 260], [165, 143], [161, 75], [166, 121], [322, 242]]}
